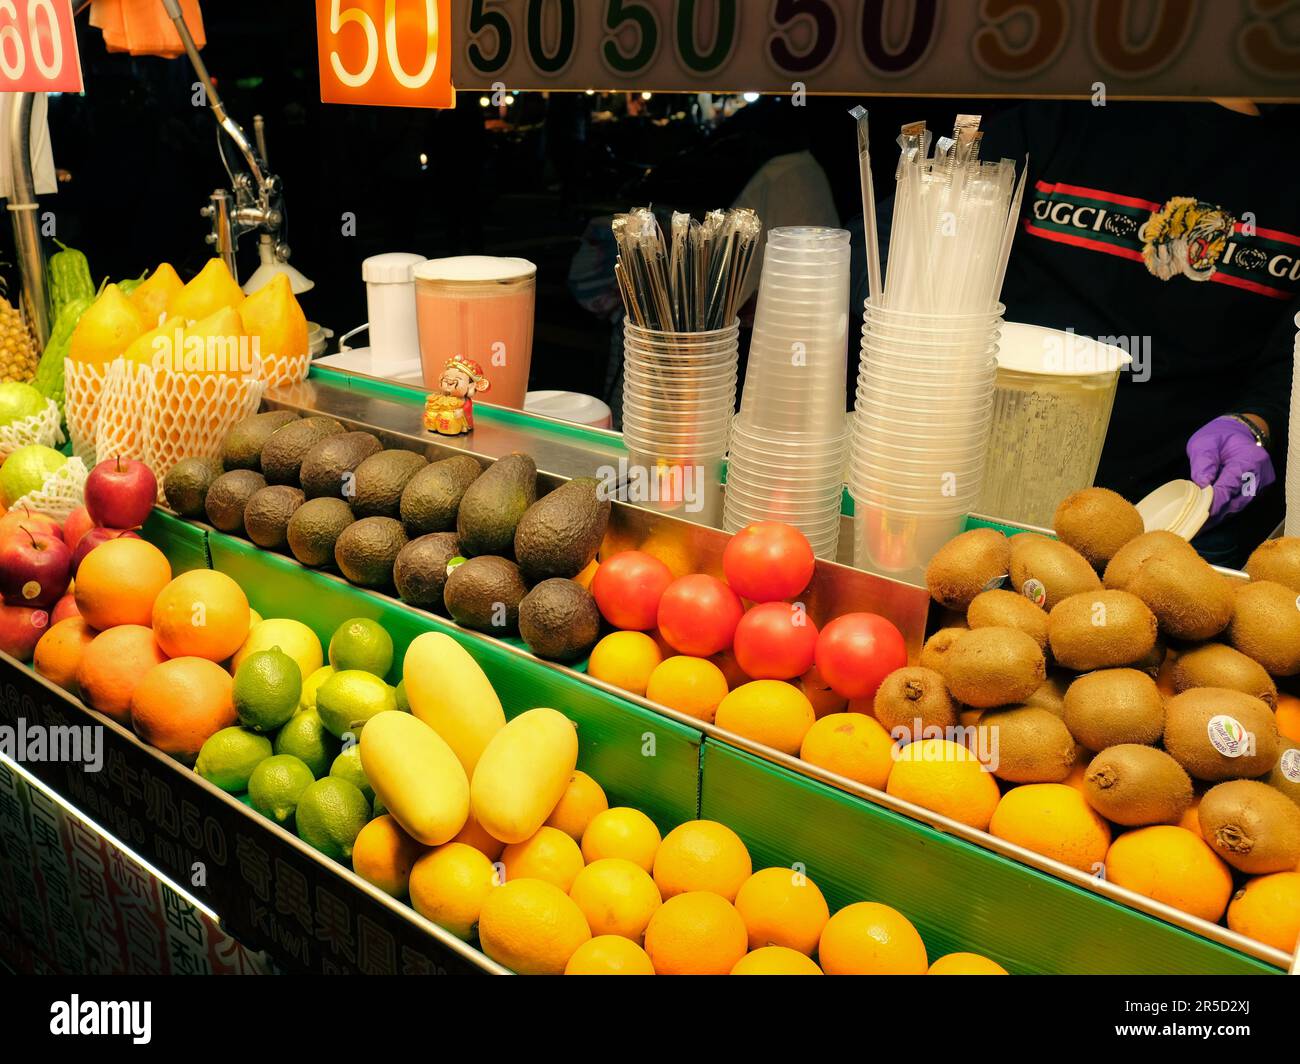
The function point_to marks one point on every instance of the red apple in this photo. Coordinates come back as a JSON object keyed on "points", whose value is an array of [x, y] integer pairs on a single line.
{"points": [[120, 493], [21, 629], [93, 539], [63, 609], [34, 569], [79, 522], [26, 518]]}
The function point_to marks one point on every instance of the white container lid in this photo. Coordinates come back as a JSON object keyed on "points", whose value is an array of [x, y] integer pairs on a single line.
{"points": [[475, 268], [1180, 506], [1057, 353], [393, 268]]}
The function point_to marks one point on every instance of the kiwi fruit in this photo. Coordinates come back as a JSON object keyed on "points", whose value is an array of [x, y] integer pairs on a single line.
{"points": [[1285, 776], [1027, 745], [1047, 572], [1006, 609], [1129, 558], [1101, 630], [1115, 707], [1097, 522], [966, 566], [1216, 665], [1203, 723], [1278, 561], [1135, 786], [935, 651], [1266, 626], [1153, 662], [1251, 826], [988, 667], [913, 695], [1051, 694], [1190, 600]]}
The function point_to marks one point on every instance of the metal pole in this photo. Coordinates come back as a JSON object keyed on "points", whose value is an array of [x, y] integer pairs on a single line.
{"points": [[22, 207]]}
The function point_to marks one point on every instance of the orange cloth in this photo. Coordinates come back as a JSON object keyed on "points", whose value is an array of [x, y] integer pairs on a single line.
{"points": [[141, 27]]}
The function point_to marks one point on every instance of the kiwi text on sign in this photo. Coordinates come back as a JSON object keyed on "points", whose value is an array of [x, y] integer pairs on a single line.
{"points": [[38, 47], [389, 53]]}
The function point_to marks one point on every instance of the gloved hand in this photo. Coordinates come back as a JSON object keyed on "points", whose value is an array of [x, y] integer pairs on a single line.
{"points": [[1226, 455]]}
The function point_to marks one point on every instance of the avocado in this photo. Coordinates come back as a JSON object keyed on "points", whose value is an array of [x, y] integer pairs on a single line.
{"points": [[366, 550], [228, 496], [559, 621], [283, 452], [314, 529], [431, 497], [242, 448], [560, 534], [267, 514], [377, 483], [493, 505], [484, 593], [326, 466], [187, 482], [420, 573]]}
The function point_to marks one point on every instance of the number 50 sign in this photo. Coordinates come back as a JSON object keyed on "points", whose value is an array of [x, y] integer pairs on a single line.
{"points": [[394, 53], [38, 47]]}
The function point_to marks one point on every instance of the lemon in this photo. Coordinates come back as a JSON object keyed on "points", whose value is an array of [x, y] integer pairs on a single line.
{"points": [[305, 737], [228, 758], [331, 813], [276, 785], [347, 766], [267, 688], [293, 637], [399, 694], [312, 685], [625, 660], [621, 832], [348, 699], [361, 644]]}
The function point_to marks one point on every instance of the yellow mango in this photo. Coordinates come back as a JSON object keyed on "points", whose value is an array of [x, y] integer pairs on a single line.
{"points": [[416, 775], [523, 773], [211, 289], [152, 295], [448, 691]]}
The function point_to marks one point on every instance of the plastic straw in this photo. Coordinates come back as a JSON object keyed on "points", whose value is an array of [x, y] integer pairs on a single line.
{"points": [[875, 284]]}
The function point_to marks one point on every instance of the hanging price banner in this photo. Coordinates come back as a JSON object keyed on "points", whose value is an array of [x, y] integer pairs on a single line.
{"points": [[393, 53], [38, 47]]}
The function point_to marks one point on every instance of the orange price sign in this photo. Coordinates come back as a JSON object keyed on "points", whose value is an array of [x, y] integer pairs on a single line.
{"points": [[386, 53], [38, 47]]}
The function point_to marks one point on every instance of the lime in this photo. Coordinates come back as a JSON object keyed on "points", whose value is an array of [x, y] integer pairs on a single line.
{"points": [[331, 814], [267, 688], [18, 401], [362, 644], [312, 684], [305, 737], [347, 766], [276, 785], [378, 808], [348, 699], [228, 758], [293, 637], [26, 470], [399, 695]]}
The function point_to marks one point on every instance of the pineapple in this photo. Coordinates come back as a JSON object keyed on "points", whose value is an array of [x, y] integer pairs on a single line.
{"points": [[18, 355]]}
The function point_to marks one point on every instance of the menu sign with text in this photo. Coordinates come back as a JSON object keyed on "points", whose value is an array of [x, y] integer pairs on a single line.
{"points": [[392, 53], [38, 47]]}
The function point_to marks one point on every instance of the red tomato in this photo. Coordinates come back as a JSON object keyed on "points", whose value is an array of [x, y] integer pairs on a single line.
{"points": [[857, 651], [698, 615], [768, 561], [775, 641], [628, 587]]}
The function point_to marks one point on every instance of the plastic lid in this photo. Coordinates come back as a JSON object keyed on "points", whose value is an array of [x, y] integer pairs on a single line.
{"points": [[1180, 507], [1057, 353], [475, 268], [392, 268]]}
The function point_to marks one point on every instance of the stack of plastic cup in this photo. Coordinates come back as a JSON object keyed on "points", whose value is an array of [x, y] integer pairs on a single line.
{"points": [[679, 395], [920, 437], [1293, 462], [788, 442]]}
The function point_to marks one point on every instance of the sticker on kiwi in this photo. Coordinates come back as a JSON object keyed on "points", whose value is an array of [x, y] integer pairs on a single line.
{"points": [[1035, 591], [997, 582], [1227, 735], [1289, 765], [455, 563]]}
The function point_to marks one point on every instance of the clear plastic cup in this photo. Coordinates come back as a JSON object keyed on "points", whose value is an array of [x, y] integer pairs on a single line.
{"points": [[805, 461], [680, 435]]}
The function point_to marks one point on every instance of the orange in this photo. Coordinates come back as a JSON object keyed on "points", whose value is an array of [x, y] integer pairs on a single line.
{"points": [[1267, 909], [113, 664], [1191, 820], [702, 855], [871, 939], [851, 745], [1077, 776], [824, 700], [770, 712], [180, 704], [775, 960], [550, 855], [201, 614], [946, 778], [621, 832], [609, 955], [617, 897], [1172, 866], [731, 670], [475, 834], [1288, 716], [59, 651], [626, 660], [583, 798], [782, 907], [531, 927], [449, 885], [966, 964], [383, 855], [697, 933], [689, 685], [118, 581], [584, 578], [1056, 821]]}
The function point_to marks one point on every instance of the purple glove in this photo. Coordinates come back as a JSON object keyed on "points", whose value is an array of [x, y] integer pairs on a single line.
{"points": [[1225, 453]]}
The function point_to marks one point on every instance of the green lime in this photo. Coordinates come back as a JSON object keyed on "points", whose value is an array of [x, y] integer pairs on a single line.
{"points": [[267, 688], [26, 470], [377, 808], [399, 696], [347, 766], [361, 644], [331, 814], [228, 758], [19, 401], [305, 737], [276, 785], [312, 684], [348, 699]]}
